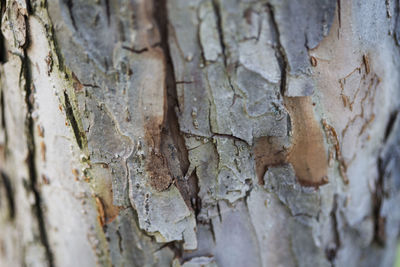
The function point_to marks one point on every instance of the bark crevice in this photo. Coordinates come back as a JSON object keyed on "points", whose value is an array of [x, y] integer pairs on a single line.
{"points": [[71, 117], [279, 50], [188, 186], [331, 251], [31, 157], [3, 50], [379, 221], [3, 122], [9, 194], [217, 12]]}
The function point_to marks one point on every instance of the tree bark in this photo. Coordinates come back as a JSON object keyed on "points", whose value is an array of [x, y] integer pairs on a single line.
{"points": [[199, 133]]}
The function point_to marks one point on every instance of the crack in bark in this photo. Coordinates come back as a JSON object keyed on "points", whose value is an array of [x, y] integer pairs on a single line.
{"points": [[171, 122], [389, 126], [3, 51], [71, 117], [31, 157], [331, 252], [217, 12], [379, 222], [280, 51], [9, 194], [139, 51], [229, 136], [121, 250], [108, 13], [3, 120], [70, 5]]}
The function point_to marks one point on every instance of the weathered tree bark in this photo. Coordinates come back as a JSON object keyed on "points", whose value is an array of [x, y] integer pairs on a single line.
{"points": [[199, 133]]}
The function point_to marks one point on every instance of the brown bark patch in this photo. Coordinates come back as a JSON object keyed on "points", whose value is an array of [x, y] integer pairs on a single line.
{"points": [[333, 138], [268, 151], [107, 212], [307, 155], [101, 213], [156, 163], [157, 167], [154, 100]]}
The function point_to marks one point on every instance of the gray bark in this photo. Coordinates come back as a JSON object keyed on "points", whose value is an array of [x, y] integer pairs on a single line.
{"points": [[199, 133]]}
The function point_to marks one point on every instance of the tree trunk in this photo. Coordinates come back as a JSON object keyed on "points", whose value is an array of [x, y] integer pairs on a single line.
{"points": [[199, 133]]}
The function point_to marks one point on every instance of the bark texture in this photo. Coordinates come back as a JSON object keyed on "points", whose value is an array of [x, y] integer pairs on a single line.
{"points": [[199, 133]]}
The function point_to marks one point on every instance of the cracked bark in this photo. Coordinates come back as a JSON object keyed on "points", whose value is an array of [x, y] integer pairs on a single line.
{"points": [[199, 133]]}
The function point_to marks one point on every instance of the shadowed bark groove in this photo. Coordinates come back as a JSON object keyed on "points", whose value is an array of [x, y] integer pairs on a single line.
{"points": [[3, 121], [186, 183], [9, 194], [31, 157], [69, 112], [280, 50]]}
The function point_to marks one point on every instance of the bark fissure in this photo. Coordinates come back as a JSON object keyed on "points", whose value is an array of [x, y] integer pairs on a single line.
{"points": [[379, 221], [3, 120], [390, 124], [70, 6], [331, 251], [279, 50], [31, 157], [220, 30], [9, 194], [3, 51], [108, 13], [187, 187], [139, 51], [71, 117]]}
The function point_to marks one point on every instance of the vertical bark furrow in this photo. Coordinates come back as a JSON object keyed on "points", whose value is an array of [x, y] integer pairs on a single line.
{"points": [[31, 156], [3, 124], [71, 117], [7, 186], [186, 183], [280, 51]]}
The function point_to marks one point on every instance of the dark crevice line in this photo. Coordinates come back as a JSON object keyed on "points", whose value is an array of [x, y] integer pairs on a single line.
{"points": [[70, 6], [30, 135], [202, 56], [390, 124], [230, 136], [188, 188], [71, 117], [3, 7], [3, 118], [139, 51], [217, 11], [212, 231], [121, 250], [280, 51], [51, 30], [397, 23], [136, 51], [379, 221], [219, 211], [108, 13], [3, 51], [379, 195], [9, 194], [331, 252]]}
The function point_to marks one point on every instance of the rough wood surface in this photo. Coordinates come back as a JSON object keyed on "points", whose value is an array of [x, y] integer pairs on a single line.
{"points": [[199, 133]]}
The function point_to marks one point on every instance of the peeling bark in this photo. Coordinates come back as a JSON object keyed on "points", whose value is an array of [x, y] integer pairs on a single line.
{"points": [[199, 133]]}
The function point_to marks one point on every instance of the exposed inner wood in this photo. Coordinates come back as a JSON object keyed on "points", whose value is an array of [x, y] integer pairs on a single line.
{"points": [[307, 154]]}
